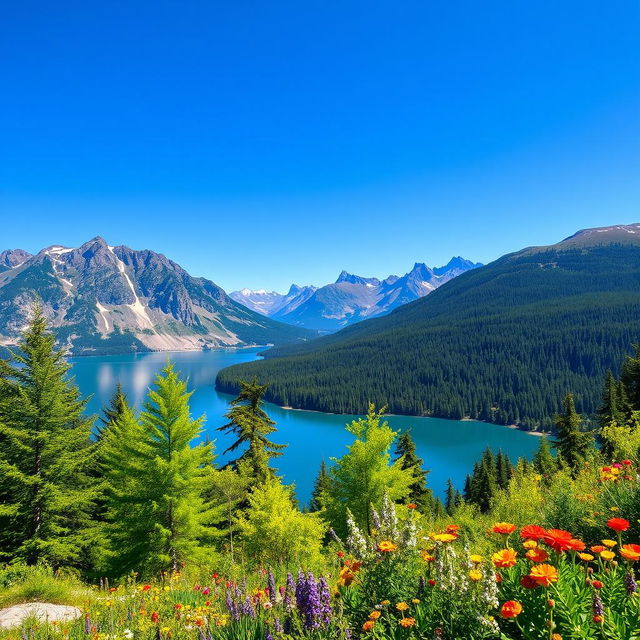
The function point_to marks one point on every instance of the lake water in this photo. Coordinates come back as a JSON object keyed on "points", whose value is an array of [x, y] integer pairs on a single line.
{"points": [[449, 447]]}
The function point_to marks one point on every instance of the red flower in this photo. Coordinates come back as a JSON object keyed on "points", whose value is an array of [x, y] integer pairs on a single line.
{"points": [[618, 524], [576, 545], [532, 532], [528, 582], [432, 583], [146, 587], [154, 616], [511, 609], [627, 463], [558, 539], [596, 584], [412, 505], [340, 554]]}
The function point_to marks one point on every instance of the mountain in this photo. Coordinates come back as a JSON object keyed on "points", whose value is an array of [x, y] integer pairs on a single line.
{"points": [[351, 298], [503, 342], [269, 302], [105, 299]]}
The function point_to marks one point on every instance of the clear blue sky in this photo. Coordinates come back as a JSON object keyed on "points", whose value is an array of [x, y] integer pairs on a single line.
{"points": [[259, 143]]}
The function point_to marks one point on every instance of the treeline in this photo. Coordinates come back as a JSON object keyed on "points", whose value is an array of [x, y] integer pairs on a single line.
{"points": [[503, 343]]}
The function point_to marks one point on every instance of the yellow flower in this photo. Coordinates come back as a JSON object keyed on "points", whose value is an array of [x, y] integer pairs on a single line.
{"points": [[385, 546], [609, 543], [475, 558], [426, 556], [614, 509], [386, 602], [475, 575], [587, 557], [402, 606], [443, 537], [529, 544], [407, 622], [607, 555], [416, 601], [374, 615]]}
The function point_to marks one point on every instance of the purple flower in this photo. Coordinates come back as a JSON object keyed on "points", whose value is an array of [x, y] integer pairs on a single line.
{"points": [[231, 606], [630, 583], [325, 601], [271, 583], [87, 625], [308, 600], [277, 625], [247, 608], [598, 609]]}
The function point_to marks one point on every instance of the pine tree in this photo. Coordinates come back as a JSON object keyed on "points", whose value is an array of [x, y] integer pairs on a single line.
{"points": [[406, 455], [630, 377], [116, 408], [321, 488], [251, 425], [572, 444], [365, 473], [610, 410], [504, 470], [159, 518], [452, 498], [47, 495], [543, 460]]}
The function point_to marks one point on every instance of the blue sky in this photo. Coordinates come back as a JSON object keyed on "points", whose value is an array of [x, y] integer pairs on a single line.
{"points": [[263, 143]]}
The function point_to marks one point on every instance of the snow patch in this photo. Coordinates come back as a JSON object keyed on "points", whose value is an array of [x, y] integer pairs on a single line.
{"points": [[104, 314]]}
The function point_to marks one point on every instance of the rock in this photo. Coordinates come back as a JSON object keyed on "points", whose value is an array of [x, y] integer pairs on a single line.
{"points": [[12, 617]]}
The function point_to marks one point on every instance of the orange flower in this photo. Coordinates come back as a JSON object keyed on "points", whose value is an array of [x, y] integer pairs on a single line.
{"points": [[407, 622], [504, 528], [618, 524], [557, 539], [544, 574], [402, 606], [368, 625], [453, 528], [532, 532], [537, 555], [374, 615], [386, 546], [511, 609], [597, 548], [630, 552], [576, 545], [412, 505], [504, 558], [426, 556]]}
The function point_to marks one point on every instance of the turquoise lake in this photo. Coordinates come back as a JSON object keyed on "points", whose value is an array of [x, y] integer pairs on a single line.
{"points": [[449, 447]]}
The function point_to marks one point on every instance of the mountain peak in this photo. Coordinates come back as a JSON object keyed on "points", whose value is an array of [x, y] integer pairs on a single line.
{"points": [[625, 233], [351, 278]]}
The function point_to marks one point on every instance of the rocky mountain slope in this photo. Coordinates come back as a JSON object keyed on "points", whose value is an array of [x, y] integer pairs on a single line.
{"points": [[108, 299], [351, 298]]}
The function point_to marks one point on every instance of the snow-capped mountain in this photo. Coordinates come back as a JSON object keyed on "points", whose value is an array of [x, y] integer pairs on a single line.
{"points": [[106, 299], [269, 302], [352, 298]]}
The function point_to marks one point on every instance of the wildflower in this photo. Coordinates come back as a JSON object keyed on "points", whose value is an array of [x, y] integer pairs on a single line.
{"points": [[504, 528], [630, 583], [386, 546], [504, 558], [609, 543], [607, 555], [544, 574], [412, 505], [402, 606], [626, 463], [558, 539], [415, 600], [476, 559], [556, 636], [511, 609], [432, 583], [618, 524], [630, 552], [586, 557], [597, 607], [154, 617], [596, 584], [597, 548], [374, 615], [530, 544], [453, 528], [340, 554], [532, 532], [528, 582], [551, 603], [598, 619], [444, 537], [475, 575], [426, 556], [368, 625], [385, 603], [576, 545], [407, 622], [537, 555]]}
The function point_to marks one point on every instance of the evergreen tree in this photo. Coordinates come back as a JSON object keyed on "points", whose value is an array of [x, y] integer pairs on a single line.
{"points": [[321, 488], [610, 410], [452, 498], [630, 377], [504, 470], [365, 473], [251, 425], [116, 408], [572, 444], [47, 495], [543, 460], [159, 518], [482, 485], [406, 455]]}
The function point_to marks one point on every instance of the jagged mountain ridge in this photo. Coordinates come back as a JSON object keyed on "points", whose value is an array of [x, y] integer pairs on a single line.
{"points": [[352, 298], [101, 298]]}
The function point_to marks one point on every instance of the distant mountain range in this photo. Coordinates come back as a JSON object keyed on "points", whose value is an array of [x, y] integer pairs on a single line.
{"points": [[110, 299], [502, 343], [350, 298]]}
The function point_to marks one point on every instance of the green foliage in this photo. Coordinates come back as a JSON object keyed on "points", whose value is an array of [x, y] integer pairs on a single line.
{"points": [[501, 343], [365, 474], [321, 487], [405, 452], [544, 461], [251, 426], [158, 517], [115, 410], [45, 490], [275, 532], [572, 443]]}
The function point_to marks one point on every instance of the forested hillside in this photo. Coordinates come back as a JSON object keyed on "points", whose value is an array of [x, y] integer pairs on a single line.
{"points": [[503, 343]]}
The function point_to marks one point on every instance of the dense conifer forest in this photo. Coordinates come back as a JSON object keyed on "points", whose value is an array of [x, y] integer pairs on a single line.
{"points": [[503, 343]]}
